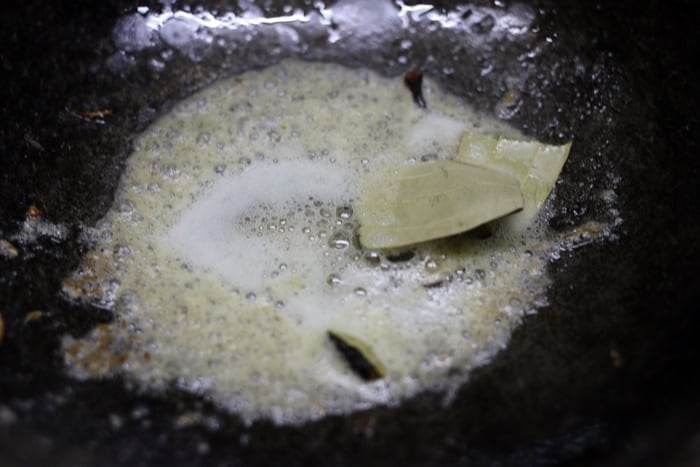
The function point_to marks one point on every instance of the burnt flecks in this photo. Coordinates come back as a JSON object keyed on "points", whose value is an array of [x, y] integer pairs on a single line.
{"points": [[414, 82]]}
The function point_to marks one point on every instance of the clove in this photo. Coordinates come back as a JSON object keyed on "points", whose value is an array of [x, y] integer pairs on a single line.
{"points": [[414, 82]]}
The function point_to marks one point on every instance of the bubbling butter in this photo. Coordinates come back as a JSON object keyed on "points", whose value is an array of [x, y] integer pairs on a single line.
{"points": [[231, 249]]}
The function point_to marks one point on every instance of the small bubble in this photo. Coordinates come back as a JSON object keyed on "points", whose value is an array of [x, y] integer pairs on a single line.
{"points": [[344, 212], [244, 161], [283, 266], [279, 304], [203, 138], [338, 241], [480, 274], [324, 212], [360, 292], [333, 279], [250, 296], [431, 265], [372, 258], [219, 169], [153, 187]]}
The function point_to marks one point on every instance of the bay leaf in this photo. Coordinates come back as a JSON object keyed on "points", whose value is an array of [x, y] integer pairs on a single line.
{"points": [[536, 166], [434, 199]]}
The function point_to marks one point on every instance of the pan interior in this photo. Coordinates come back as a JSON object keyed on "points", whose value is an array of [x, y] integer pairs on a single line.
{"points": [[230, 251]]}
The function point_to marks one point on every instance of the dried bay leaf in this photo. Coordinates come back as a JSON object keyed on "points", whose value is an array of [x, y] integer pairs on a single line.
{"points": [[535, 165], [432, 200]]}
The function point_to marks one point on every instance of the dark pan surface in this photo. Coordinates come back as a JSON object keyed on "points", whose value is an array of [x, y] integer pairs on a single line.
{"points": [[607, 374]]}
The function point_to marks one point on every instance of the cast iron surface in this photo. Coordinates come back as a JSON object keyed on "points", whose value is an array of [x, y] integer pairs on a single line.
{"points": [[617, 78]]}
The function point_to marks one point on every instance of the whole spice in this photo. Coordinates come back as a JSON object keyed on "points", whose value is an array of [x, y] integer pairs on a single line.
{"points": [[358, 355], [414, 81]]}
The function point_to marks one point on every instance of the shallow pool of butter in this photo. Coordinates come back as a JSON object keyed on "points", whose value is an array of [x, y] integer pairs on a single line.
{"points": [[231, 249]]}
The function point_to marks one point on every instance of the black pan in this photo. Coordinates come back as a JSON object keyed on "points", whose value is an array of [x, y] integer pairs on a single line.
{"points": [[606, 374]]}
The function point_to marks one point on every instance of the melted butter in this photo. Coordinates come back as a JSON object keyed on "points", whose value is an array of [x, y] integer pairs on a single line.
{"points": [[230, 251]]}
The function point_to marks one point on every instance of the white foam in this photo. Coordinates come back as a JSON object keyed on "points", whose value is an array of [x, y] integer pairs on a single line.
{"points": [[209, 234]]}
